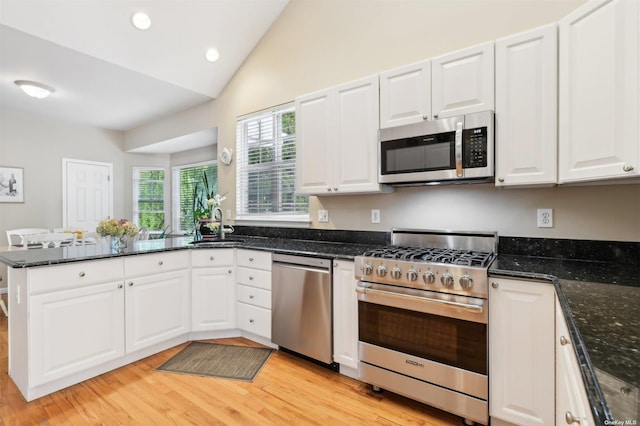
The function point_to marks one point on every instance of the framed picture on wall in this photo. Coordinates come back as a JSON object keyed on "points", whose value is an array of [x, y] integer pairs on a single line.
{"points": [[11, 185]]}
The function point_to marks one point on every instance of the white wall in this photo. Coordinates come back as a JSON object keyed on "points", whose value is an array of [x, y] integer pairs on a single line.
{"points": [[38, 143], [319, 43]]}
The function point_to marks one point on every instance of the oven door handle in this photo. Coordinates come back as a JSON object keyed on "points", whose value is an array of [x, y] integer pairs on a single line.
{"points": [[426, 300]]}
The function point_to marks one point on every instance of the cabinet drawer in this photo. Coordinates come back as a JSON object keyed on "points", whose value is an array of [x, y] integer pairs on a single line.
{"points": [[254, 319], [254, 278], [73, 275], [254, 259], [211, 258], [254, 296], [149, 264]]}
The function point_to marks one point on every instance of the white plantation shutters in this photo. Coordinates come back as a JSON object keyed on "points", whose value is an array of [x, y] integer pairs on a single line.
{"points": [[266, 167], [185, 179]]}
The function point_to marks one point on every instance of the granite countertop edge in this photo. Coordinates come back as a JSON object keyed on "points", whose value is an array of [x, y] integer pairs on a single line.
{"points": [[597, 401]]}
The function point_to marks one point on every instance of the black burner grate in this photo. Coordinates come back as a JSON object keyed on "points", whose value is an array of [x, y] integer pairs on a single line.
{"points": [[433, 255]]}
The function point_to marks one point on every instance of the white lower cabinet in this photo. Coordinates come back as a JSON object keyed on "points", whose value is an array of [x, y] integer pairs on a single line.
{"points": [[521, 352], [345, 315], [254, 292], [157, 298], [157, 308], [572, 405], [213, 290], [75, 329]]}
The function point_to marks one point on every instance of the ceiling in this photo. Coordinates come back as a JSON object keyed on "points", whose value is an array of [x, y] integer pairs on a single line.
{"points": [[108, 74]]}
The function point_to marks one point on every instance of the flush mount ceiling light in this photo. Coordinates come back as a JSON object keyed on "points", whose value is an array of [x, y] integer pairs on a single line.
{"points": [[212, 55], [141, 21], [34, 89]]}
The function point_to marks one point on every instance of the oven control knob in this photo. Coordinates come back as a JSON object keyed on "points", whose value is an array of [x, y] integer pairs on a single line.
{"points": [[395, 273], [381, 271], [466, 282], [446, 280], [428, 277], [367, 269], [412, 274]]}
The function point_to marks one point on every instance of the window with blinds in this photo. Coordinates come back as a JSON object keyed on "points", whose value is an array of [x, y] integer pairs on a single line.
{"points": [[148, 198], [266, 167], [188, 183]]}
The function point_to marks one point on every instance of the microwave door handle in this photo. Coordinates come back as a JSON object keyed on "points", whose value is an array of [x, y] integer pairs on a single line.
{"points": [[458, 149]]}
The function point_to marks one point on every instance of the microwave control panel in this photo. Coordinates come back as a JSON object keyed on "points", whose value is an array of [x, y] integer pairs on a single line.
{"points": [[474, 147]]}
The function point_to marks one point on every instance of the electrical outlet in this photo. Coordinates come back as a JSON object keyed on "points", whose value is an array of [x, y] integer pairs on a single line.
{"points": [[545, 218], [323, 215], [375, 215]]}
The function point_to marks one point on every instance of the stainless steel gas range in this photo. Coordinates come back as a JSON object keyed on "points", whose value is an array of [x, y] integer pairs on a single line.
{"points": [[422, 318]]}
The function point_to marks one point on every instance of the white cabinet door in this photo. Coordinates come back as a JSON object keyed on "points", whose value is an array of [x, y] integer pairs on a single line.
{"points": [[521, 352], [314, 143], [157, 308], [526, 108], [336, 140], [213, 299], [571, 397], [345, 314], [356, 143], [599, 89], [405, 95], [463, 81], [73, 330]]}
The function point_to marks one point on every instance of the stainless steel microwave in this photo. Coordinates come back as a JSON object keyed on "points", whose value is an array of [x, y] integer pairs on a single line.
{"points": [[448, 150]]}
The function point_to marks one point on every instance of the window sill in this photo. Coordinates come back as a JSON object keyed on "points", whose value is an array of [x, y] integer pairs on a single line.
{"points": [[273, 220]]}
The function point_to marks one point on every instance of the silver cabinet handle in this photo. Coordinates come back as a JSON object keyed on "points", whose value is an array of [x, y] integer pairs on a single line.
{"points": [[160, 263], [251, 320], [435, 115], [81, 274], [250, 278], [627, 167], [120, 286], [494, 285], [329, 189], [564, 341], [251, 296], [500, 180], [335, 189], [570, 418], [130, 283], [230, 271], [212, 258], [251, 259], [425, 117]]}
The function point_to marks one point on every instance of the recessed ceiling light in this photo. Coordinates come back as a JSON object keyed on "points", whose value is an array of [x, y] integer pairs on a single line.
{"points": [[34, 89], [212, 55], [141, 21]]}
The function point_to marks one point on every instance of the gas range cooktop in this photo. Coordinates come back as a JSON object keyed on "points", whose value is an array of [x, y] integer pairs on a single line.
{"points": [[442, 261]]}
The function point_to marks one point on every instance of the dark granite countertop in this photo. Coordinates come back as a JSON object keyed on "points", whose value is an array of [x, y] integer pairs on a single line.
{"points": [[601, 304]]}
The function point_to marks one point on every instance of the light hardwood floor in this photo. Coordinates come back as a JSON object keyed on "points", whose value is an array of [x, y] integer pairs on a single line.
{"points": [[288, 391]]}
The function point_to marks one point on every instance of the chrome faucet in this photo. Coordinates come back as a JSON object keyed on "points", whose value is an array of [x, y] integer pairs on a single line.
{"points": [[215, 212]]}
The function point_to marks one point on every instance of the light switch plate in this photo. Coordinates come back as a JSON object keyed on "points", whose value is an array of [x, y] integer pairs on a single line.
{"points": [[375, 215], [323, 215]]}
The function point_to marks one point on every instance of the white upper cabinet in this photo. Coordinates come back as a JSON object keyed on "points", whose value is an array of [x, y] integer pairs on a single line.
{"points": [[405, 95], [337, 135], [463, 81], [599, 110], [526, 108]]}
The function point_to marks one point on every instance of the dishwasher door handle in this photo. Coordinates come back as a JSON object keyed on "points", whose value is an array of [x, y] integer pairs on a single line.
{"points": [[301, 267]]}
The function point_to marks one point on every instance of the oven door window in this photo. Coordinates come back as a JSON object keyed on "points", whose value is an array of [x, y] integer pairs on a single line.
{"points": [[418, 154], [450, 341]]}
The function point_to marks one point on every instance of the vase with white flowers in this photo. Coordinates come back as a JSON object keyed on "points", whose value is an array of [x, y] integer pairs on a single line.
{"points": [[118, 230]]}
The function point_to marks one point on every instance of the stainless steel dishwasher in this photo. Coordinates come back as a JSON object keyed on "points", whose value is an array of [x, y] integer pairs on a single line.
{"points": [[301, 302]]}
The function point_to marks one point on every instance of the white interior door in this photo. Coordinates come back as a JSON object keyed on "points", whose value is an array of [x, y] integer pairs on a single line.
{"points": [[88, 193]]}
